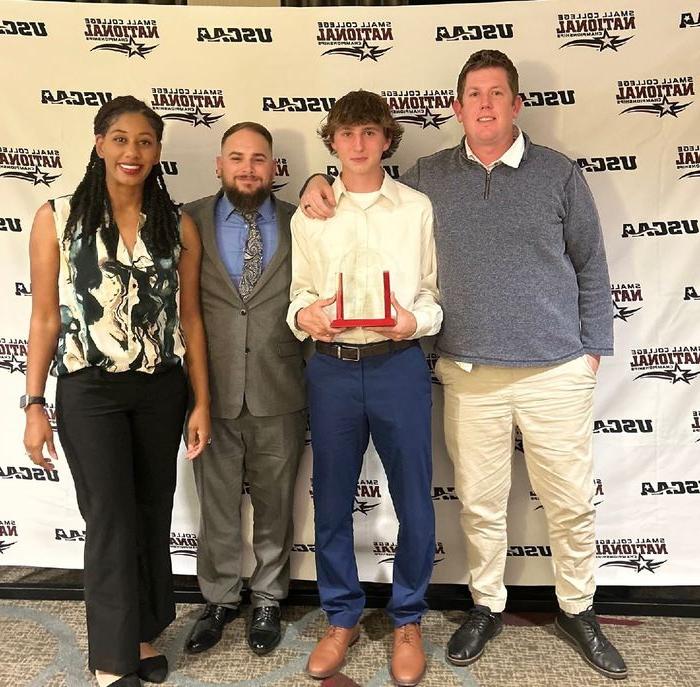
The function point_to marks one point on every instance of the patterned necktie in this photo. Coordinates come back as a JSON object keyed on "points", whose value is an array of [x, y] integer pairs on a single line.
{"points": [[252, 256]]}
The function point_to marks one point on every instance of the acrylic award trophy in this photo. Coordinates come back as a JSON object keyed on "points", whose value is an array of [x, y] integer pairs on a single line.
{"points": [[363, 297]]}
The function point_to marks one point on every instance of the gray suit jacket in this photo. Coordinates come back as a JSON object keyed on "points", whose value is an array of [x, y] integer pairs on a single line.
{"points": [[252, 352]]}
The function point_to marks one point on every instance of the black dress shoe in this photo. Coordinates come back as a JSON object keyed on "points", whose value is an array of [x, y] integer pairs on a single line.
{"points": [[209, 627], [583, 632], [153, 669], [264, 632], [467, 644]]}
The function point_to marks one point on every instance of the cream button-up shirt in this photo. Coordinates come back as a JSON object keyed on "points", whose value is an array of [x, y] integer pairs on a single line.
{"points": [[395, 233]]}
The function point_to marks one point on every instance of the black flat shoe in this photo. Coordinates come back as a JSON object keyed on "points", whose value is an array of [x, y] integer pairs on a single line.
{"points": [[209, 627], [153, 669], [264, 631]]}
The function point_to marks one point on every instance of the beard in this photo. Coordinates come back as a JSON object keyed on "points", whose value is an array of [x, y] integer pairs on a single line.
{"points": [[246, 202]]}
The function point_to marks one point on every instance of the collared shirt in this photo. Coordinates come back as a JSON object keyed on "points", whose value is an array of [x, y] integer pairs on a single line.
{"points": [[119, 313], [232, 234], [395, 233], [512, 157]]}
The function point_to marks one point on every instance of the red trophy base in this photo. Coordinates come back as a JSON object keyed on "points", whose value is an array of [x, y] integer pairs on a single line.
{"points": [[341, 323]]}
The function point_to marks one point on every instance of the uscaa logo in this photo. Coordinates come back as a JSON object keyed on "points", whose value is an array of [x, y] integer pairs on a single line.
{"points": [[8, 528], [657, 96], [421, 108], [130, 37], [611, 163], [67, 534], [529, 550], [25, 472], [689, 20], [633, 554], [170, 167], [623, 426], [622, 294], [548, 98], [13, 355], [675, 227], [352, 38], [9, 27], [234, 34], [666, 363], [688, 159], [386, 551], [193, 106], [674, 488], [30, 164], [297, 103], [10, 224], [473, 32], [90, 98], [183, 544], [593, 29]]}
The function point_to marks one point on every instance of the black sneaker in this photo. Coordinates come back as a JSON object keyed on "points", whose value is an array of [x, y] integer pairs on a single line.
{"points": [[467, 644], [583, 632]]}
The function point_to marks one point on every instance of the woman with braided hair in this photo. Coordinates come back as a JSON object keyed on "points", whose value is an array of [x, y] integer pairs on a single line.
{"points": [[115, 306]]}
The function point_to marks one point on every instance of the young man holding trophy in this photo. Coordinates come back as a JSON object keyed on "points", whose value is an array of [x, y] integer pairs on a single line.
{"points": [[364, 288]]}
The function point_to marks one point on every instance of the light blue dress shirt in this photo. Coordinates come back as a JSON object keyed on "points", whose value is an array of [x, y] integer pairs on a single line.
{"points": [[232, 234]]}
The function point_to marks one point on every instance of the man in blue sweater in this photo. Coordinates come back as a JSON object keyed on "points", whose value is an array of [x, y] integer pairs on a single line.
{"points": [[527, 315]]}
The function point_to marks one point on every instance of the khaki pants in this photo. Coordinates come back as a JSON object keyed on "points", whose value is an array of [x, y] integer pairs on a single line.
{"points": [[553, 407]]}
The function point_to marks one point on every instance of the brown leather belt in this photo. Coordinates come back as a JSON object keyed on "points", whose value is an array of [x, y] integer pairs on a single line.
{"points": [[356, 352]]}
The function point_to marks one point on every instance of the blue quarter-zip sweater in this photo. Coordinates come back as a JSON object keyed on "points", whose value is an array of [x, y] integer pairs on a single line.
{"points": [[521, 262]]}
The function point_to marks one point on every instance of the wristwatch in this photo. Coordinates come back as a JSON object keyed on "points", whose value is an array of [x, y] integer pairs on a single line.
{"points": [[26, 400]]}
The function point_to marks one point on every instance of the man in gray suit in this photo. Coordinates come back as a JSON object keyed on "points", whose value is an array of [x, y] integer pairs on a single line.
{"points": [[257, 390]]}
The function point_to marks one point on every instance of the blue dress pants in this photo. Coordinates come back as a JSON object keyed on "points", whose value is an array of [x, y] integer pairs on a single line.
{"points": [[387, 397]]}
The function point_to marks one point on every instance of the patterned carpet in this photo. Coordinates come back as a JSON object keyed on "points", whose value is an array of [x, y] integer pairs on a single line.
{"points": [[44, 645]]}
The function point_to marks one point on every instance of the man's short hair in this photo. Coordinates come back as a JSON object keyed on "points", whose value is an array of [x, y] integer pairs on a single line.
{"points": [[482, 59], [362, 107], [253, 126]]}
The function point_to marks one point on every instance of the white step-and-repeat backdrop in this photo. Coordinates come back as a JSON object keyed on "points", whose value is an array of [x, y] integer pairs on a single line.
{"points": [[613, 87]]}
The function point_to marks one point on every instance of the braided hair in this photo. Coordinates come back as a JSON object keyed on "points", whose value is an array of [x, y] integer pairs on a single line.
{"points": [[90, 207]]}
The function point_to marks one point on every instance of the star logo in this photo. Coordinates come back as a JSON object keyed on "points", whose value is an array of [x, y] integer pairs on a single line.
{"points": [[677, 374], [363, 507], [35, 176], [424, 120], [603, 42], [638, 564], [622, 313], [663, 108], [690, 175], [6, 545], [361, 52], [13, 364], [130, 48], [196, 118]]}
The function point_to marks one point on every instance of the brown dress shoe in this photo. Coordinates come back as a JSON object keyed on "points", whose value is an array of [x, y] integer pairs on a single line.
{"points": [[328, 657], [408, 657]]}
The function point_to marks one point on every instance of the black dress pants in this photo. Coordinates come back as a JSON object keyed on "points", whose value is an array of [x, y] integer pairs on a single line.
{"points": [[120, 433]]}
